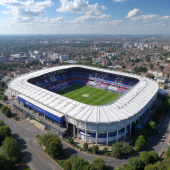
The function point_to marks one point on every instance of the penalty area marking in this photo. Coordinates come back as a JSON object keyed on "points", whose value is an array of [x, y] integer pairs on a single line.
{"points": [[86, 95]]}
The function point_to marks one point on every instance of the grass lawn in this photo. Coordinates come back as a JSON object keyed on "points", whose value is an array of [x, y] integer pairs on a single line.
{"points": [[89, 95]]}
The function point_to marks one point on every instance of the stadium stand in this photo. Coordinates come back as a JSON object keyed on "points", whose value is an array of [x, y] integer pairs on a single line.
{"points": [[110, 82]]}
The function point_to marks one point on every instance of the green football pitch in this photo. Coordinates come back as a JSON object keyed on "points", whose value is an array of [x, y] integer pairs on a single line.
{"points": [[88, 95]]}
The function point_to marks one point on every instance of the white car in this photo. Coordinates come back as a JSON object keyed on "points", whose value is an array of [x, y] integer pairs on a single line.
{"points": [[164, 137]]}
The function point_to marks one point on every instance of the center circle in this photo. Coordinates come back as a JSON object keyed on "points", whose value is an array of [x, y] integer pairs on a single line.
{"points": [[86, 95]]}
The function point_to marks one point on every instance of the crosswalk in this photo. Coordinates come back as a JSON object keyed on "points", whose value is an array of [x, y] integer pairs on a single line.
{"points": [[31, 128]]}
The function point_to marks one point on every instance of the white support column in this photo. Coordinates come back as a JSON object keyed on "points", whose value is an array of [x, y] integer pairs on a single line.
{"points": [[77, 132], [125, 133], [74, 131], [86, 136], [66, 124], [96, 137], [117, 132], [107, 138], [130, 128]]}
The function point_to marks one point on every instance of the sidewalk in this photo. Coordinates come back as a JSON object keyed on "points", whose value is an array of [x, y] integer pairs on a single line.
{"points": [[80, 142]]}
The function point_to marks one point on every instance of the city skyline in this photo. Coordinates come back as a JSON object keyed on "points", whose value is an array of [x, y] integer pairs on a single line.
{"points": [[84, 17]]}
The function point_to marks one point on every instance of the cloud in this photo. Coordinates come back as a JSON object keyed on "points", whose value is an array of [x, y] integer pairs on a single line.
{"points": [[103, 7], [118, 0], [26, 9], [136, 15], [88, 17], [115, 22], [80, 6], [133, 13]]}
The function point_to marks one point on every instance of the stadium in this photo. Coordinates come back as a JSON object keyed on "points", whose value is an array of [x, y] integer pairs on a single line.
{"points": [[94, 104]]}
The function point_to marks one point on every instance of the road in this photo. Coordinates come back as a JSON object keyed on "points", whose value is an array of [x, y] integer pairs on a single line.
{"points": [[24, 132], [33, 155]]}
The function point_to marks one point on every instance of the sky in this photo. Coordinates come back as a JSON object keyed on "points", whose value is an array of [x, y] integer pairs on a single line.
{"points": [[85, 17]]}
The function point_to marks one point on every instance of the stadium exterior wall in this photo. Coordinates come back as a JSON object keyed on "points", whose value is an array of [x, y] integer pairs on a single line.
{"points": [[94, 131]]}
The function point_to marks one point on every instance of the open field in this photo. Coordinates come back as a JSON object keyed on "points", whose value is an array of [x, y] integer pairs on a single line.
{"points": [[89, 95]]}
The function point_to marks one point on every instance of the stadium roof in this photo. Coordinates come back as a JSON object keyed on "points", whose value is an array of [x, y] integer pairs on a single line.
{"points": [[123, 108]]}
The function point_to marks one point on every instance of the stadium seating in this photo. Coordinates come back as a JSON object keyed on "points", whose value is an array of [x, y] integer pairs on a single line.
{"points": [[96, 79]]}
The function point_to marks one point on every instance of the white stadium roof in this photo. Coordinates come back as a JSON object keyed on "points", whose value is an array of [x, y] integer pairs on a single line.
{"points": [[123, 108]]}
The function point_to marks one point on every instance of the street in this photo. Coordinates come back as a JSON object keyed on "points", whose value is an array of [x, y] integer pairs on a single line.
{"points": [[25, 133]]}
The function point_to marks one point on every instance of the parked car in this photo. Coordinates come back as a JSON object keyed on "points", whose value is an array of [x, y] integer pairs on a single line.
{"points": [[162, 140], [159, 131], [164, 137], [167, 131]]}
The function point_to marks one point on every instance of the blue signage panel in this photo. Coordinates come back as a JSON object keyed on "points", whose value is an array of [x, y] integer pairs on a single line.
{"points": [[50, 115]]}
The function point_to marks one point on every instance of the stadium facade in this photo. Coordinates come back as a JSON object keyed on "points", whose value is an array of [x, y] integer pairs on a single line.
{"points": [[35, 97]]}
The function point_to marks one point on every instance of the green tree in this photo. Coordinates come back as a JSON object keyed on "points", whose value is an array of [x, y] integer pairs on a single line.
{"points": [[5, 131], [135, 162], [2, 83], [8, 112], [148, 131], [95, 149], [145, 157], [151, 167], [105, 149], [88, 167], [156, 118], [68, 165], [166, 105], [70, 140], [78, 164], [45, 138], [99, 164], [4, 97], [140, 142], [152, 125], [5, 164], [141, 132], [120, 148], [154, 156], [72, 158], [1, 105], [3, 109], [160, 110], [55, 147], [168, 152], [2, 123], [85, 145], [11, 150]]}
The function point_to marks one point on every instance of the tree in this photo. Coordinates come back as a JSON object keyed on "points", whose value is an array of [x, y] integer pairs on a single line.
{"points": [[54, 147], [85, 145], [166, 105], [156, 118], [8, 112], [68, 165], [10, 149], [154, 156], [88, 167], [141, 132], [5, 163], [5, 131], [72, 158], [4, 97], [45, 138], [2, 123], [1, 105], [70, 140], [152, 125], [160, 109], [140, 142], [99, 164], [95, 149], [105, 149], [135, 162], [145, 157], [168, 152], [151, 167], [148, 131], [2, 83], [120, 148], [3, 109], [78, 164]]}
